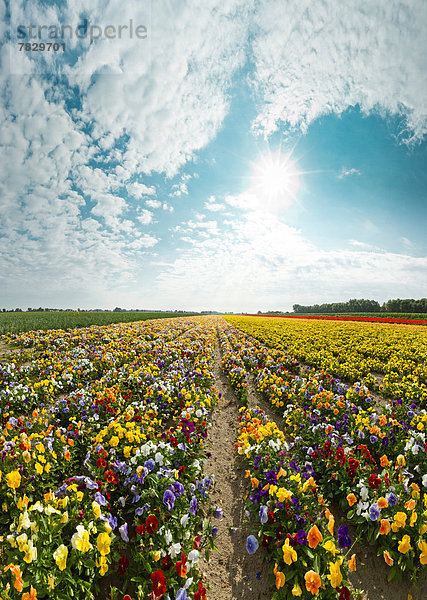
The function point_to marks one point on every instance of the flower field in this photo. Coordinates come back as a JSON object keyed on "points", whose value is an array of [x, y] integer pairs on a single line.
{"points": [[334, 446], [353, 351], [103, 447], [101, 477]]}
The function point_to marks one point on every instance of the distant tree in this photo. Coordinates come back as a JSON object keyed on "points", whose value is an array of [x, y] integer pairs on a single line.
{"points": [[353, 305], [408, 305]]}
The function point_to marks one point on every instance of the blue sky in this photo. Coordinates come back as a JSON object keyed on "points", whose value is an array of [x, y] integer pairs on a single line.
{"points": [[243, 156]]}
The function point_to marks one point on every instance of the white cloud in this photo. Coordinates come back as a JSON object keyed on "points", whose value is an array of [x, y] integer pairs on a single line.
{"points": [[145, 241], [138, 190], [258, 201], [153, 203], [408, 245], [364, 245], [315, 58], [179, 189], [347, 172], [73, 159], [244, 201], [204, 228], [63, 236], [144, 216], [172, 100], [64, 167], [260, 261], [214, 206], [108, 206]]}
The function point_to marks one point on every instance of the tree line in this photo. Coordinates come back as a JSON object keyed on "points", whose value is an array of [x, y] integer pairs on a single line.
{"points": [[408, 305]]}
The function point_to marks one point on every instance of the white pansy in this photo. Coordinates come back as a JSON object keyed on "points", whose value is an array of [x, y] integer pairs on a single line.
{"points": [[168, 537], [364, 493], [361, 506], [193, 557], [25, 522], [174, 550], [49, 510]]}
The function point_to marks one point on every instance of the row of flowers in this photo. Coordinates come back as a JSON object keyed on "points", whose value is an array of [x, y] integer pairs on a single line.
{"points": [[102, 489], [46, 364], [388, 359], [234, 368], [373, 461], [351, 318], [294, 524]]}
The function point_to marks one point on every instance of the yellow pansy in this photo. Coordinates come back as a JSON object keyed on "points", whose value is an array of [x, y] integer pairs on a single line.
{"points": [[289, 554], [103, 543], [60, 555], [329, 546], [282, 494], [96, 509], [13, 479], [80, 540], [404, 544], [335, 576]]}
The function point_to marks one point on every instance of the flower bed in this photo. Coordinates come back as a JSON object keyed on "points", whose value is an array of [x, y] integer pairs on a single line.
{"points": [[294, 525], [388, 359], [349, 318], [102, 490], [373, 462]]}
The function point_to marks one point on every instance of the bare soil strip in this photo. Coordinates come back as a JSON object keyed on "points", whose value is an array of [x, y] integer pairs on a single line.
{"points": [[232, 574]]}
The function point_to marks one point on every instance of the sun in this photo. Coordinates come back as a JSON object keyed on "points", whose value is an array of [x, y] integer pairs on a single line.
{"points": [[276, 178]]}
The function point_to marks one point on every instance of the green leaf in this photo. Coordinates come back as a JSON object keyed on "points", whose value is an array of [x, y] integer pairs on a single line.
{"points": [[316, 563], [309, 553]]}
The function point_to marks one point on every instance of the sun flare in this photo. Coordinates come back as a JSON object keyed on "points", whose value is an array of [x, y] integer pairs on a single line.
{"points": [[277, 178]]}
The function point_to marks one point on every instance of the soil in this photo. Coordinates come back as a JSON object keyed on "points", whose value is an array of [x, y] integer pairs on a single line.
{"points": [[6, 351], [233, 574]]}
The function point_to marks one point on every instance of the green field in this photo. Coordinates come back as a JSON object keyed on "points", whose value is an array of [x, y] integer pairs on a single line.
{"points": [[15, 322]]}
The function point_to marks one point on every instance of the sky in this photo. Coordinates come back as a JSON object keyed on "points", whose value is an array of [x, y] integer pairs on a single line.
{"points": [[235, 155]]}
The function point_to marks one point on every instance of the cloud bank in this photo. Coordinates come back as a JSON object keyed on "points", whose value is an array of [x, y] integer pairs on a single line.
{"points": [[81, 215]]}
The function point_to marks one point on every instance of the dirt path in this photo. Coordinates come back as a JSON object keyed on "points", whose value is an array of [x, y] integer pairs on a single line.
{"points": [[6, 349], [232, 574]]}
